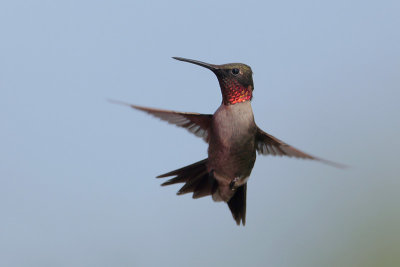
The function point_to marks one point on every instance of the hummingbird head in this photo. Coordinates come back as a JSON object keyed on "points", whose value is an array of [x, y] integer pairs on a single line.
{"points": [[235, 80]]}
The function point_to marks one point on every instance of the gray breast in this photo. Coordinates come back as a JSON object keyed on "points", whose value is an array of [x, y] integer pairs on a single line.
{"points": [[231, 146]]}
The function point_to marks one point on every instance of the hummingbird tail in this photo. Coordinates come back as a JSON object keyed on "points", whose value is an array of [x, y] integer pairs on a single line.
{"points": [[237, 204], [196, 178], [202, 183]]}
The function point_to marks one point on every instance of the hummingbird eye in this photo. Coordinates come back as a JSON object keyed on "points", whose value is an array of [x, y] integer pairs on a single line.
{"points": [[235, 71]]}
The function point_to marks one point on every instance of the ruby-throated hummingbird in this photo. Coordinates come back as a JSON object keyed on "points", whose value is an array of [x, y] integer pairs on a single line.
{"points": [[233, 139]]}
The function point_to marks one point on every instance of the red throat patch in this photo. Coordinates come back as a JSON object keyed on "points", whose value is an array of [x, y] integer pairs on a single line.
{"points": [[233, 92]]}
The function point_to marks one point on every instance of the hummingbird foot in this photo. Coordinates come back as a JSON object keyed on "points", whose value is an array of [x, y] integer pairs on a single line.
{"points": [[232, 184]]}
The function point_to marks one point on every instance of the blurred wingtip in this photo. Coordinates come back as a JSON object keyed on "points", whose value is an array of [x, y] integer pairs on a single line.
{"points": [[334, 164], [118, 102]]}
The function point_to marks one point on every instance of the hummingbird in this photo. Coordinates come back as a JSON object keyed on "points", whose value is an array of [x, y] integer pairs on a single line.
{"points": [[233, 140]]}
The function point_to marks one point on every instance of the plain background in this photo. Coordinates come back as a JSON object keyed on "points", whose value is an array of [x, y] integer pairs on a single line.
{"points": [[77, 184]]}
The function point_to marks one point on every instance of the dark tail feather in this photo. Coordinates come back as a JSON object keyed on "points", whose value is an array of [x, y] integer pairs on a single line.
{"points": [[237, 205], [198, 165], [196, 179]]}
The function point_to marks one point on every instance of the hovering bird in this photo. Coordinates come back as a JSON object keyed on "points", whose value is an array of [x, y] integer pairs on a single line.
{"points": [[233, 139]]}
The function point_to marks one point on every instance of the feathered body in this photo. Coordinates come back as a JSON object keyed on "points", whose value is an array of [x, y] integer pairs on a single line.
{"points": [[231, 151]]}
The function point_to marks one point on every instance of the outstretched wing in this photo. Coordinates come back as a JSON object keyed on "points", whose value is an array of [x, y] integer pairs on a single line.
{"points": [[266, 144], [195, 123]]}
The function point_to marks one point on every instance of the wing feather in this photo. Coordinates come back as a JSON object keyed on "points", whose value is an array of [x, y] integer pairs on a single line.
{"points": [[196, 123], [267, 144]]}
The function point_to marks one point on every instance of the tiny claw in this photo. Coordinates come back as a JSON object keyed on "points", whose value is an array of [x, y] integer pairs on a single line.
{"points": [[232, 184]]}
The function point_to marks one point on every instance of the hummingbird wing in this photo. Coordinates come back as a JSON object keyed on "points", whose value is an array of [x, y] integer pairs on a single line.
{"points": [[195, 123], [267, 144]]}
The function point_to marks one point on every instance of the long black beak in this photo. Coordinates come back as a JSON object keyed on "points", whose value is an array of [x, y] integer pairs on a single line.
{"points": [[203, 64]]}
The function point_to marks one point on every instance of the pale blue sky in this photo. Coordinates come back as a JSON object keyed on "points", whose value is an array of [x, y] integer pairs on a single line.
{"points": [[77, 184]]}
